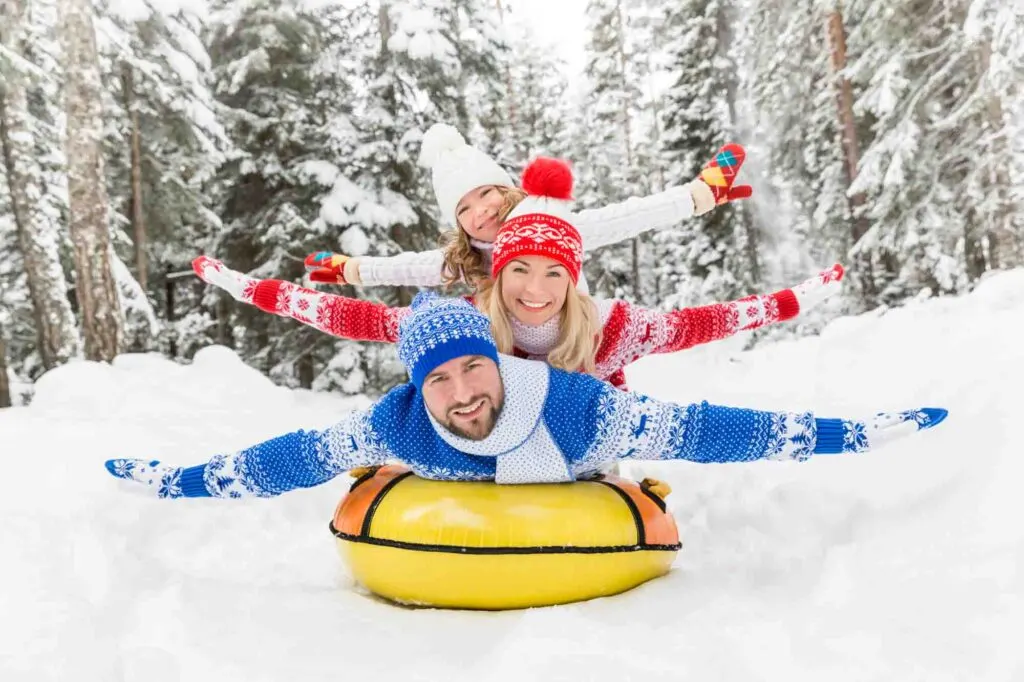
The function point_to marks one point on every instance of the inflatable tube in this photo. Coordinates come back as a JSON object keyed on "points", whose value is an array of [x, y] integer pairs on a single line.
{"points": [[479, 545]]}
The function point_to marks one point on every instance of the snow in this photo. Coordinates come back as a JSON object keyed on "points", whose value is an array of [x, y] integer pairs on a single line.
{"points": [[129, 10], [898, 564], [419, 35], [354, 242]]}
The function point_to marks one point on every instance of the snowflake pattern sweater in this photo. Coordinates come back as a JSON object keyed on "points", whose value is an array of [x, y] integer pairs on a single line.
{"points": [[630, 332], [554, 427]]}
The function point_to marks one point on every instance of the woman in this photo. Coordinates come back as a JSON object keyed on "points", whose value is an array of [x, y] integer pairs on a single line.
{"points": [[474, 193], [532, 300]]}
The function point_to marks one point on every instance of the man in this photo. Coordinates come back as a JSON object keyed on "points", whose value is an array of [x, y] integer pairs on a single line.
{"points": [[470, 414]]}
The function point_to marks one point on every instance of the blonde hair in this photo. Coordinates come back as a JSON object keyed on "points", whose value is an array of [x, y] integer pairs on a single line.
{"points": [[463, 262], [579, 328]]}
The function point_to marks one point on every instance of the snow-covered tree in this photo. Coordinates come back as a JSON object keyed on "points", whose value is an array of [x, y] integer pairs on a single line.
{"points": [[605, 154], [715, 256], [23, 139], [794, 143], [164, 136], [164, 140], [940, 80]]}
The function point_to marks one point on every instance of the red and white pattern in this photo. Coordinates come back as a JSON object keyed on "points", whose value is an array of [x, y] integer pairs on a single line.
{"points": [[538, 234], [347, 318], [630, 332]]}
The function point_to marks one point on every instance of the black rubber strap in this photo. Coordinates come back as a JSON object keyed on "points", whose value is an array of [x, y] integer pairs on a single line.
{"points": [[539, 549], [380, 496], [641, 532]]}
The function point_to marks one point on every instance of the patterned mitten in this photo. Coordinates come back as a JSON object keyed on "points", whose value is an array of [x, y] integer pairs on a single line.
{"points": [[715, 186], [212, 271], [837, 436], [157, 480], [813, 291], [324, 266]]}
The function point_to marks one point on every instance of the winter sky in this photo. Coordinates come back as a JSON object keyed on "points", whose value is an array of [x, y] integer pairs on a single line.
{"points": [[558, 23]]}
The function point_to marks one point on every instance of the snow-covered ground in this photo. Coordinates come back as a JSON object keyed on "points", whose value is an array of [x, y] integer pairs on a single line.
{"points": [[902, 564]]}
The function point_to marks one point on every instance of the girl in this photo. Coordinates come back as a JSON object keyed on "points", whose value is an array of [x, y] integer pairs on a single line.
{"points": [[531, 296], [475, 193]]}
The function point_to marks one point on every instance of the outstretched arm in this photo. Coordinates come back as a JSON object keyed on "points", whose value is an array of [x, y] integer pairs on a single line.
{"points": [[634, 216], [301, 459], [347, 318], [633, 332], [419, 269], [638, 427]]}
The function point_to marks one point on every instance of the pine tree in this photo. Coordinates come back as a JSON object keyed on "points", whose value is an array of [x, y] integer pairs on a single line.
{"points": [[526, 115], [164, 140], [20, 138], [713, 257], [936, 171], [794, 145], [605, 158]]}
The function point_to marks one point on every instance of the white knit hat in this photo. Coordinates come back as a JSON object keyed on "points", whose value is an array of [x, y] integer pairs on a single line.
{"points": [[456, 168]]}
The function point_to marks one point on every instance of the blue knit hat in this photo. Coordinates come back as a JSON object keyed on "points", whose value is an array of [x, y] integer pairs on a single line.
{"points": [[439, 329]]}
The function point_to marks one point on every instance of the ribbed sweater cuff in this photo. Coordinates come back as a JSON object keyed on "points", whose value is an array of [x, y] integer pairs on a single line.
{"points": [[829, 439], [789, 305], [265, 296], [192, 483]]}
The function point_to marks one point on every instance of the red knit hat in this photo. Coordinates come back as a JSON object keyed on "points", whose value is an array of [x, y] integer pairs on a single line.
{"points": [[539, 225]]}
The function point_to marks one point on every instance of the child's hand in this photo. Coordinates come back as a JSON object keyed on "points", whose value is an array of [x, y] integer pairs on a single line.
{"points": [[714, 186], [324, 266]]}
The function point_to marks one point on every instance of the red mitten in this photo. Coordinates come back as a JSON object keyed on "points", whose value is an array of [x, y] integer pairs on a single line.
{"points": [[721, 171], [324, 266]]}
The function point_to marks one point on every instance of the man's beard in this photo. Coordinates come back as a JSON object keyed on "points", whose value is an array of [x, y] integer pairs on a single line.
{"points": [[489, 418]]}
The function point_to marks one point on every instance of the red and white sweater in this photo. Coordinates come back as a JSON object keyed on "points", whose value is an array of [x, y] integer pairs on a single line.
{"points": [[629, 331]]}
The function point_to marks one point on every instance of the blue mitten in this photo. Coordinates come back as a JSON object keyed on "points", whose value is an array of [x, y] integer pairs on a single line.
{"points": [[158, 480], [837, 436]]}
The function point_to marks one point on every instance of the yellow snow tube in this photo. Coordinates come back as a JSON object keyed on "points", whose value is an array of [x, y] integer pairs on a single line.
{"points": [[479, 545]]}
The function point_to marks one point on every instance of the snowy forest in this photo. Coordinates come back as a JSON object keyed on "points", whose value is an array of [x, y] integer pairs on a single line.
{"points": [[137, 135]]}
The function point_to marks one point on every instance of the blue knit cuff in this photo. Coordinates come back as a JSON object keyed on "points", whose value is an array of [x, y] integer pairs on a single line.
{"points": [[444, 352], [192, 483], [829, 440]]}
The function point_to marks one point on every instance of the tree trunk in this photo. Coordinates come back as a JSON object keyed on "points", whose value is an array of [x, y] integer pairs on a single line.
{"points": [[5, 384], [102, 317], [138, 217], [836, 34], [305, 370], [37, 238], [974, 251], [847, 124]]}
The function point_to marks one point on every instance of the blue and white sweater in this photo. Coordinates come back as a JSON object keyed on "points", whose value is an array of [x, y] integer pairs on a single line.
{"points": [[555, 426]]}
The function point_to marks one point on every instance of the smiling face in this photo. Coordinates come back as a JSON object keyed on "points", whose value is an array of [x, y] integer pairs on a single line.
{"points": [[477, 212], [533, 288], [465, 395]]}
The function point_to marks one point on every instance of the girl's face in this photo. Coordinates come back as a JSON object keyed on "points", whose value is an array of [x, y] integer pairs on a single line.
{"points": [[477, 213], [533, 288]]}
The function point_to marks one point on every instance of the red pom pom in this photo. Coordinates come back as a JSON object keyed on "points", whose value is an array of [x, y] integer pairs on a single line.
{"points": [[547, 177]]}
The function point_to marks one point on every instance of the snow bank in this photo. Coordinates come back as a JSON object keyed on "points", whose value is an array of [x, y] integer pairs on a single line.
{"points": [[897, 564]]}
